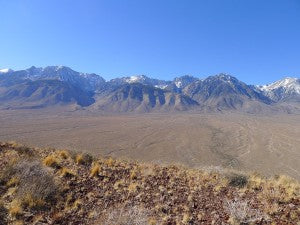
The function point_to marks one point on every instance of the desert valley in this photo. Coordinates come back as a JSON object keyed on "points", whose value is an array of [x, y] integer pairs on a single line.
{"points": [[76, 149], [217, 122]]}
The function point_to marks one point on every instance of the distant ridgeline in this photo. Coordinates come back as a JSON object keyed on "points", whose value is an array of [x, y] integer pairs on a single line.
{"points": [[62, 86]]}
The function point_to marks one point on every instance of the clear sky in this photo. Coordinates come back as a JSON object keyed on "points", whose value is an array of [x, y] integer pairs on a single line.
{"points": [[258, 41]]}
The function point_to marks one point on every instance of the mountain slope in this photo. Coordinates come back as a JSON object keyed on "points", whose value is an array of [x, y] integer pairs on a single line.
{"points": [[48, 186], [137, 97], [143, 94], [141, 79], [223, 92], [179, 83], [84, 81], [42, 93], [287, 89]]}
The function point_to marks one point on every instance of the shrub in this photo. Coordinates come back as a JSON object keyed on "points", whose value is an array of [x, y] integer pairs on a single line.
{"points": [[35, 184], [25, 150], [238, 180], [64, 154], [13, 181], [129, 216], [84, 159], [29, 201], [65, 172], [95, 171], [3, 214], [15, 209], [77, 204], [51, 161], [132, 187], [241, 213]]}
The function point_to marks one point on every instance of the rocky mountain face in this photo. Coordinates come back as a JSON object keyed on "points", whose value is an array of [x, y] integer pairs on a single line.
{"points": [[142, 79], [287, 89], [179, 83], [85, 81], [143, 98], [43, 93], [60, 85], [223, 92]]}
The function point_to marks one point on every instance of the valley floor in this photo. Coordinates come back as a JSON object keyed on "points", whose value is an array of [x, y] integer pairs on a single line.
{"points": [[267, 144]]}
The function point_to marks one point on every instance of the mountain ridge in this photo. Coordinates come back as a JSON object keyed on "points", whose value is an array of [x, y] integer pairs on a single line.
{"points": [[140, 93]]}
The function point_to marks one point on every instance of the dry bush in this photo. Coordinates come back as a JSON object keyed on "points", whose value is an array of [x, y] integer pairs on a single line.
{"points": [[135, 215], [95, 170], [84, 159], [238, 180], [65, 172], [21, 149], [15, 209], [241, 212], [51, 161], [36, 186], [3, 214], [25, 150], [64, 154]]}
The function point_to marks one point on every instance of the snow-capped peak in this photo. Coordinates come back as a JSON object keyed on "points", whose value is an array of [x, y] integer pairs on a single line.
{"points": [[288, 83], [183, 81], [286, 88], [59, 67], [134, 79], [6, 70], [178, 84]]}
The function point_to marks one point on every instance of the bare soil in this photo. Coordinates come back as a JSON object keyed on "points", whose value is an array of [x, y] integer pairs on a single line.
{"points": [[267, 144]]}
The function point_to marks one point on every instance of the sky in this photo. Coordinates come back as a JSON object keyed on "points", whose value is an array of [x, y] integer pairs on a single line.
{"points": [[256, 41]]}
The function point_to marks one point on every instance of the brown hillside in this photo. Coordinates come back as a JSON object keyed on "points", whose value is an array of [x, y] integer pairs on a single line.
{"points": [[47, 186]]}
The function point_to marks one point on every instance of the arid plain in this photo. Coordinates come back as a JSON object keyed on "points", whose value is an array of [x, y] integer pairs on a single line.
{"points": [[267, 144]]}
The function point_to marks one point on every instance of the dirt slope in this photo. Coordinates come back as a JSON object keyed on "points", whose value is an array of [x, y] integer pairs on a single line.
{"points": [[47, 186]]}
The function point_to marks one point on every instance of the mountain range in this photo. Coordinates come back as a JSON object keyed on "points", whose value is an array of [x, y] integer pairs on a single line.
{"points": [[60, 86]]}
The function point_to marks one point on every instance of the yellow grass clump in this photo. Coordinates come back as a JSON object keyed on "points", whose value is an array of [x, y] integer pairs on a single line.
{"points": [[64, 154], [95, 170], [51, 161], [29, 201], [15, 209], [65, 172]]}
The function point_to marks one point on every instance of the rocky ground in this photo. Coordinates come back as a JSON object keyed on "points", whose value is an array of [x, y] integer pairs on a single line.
{"points": [[48, 186]]}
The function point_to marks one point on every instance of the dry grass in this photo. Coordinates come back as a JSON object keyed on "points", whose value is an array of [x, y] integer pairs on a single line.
{"points": [[64, 154], [135, 215], [241, 212], [84, 159], [34, 186], [51, 161], [65, 172], [15, 209], [95, 170], [110, 191], [238, 180], [3, 213]]}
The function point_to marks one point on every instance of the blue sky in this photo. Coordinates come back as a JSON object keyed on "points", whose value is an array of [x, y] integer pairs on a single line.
{"points": [[256, 41]]}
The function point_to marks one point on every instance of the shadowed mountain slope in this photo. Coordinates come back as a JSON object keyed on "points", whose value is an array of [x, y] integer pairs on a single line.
{"points": [[42, 93], [143, 98], [143, 94], [223, 92]]}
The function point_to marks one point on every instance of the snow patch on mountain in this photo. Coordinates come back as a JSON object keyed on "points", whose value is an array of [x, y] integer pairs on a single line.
{"points": [[135, 79], [161, 86], [178, 84], [5, 70], [291, 84], [282, 89]]}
